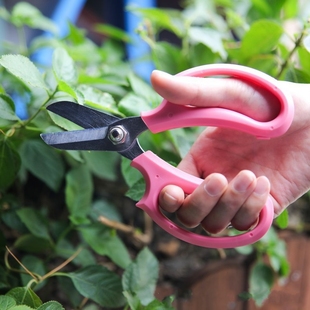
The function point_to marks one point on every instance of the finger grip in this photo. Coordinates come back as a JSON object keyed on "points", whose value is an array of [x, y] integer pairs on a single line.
{"points": [[158, 173], [169, 116]]}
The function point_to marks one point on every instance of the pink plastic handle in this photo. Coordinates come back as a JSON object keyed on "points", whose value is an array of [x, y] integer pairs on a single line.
{"points": [[158, 173], [169, 116]]}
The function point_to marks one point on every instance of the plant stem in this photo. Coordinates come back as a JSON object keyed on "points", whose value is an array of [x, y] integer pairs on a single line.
{"points": [[30, 119], [288, 58], [65, 263], [26, 270]]}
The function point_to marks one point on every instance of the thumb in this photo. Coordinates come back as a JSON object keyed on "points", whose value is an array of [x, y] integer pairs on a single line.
{"points": [[229, 93]]}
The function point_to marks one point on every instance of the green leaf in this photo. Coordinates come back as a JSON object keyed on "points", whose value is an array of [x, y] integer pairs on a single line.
{"points": [[304, 57], [64, 67], [43, 161], [98, 99], [70, 293], [102, 164], [7, 108], [65, 249], [169, 19], [133, 105], [12, 220], [245, 250], [112, 32], [144, 90], [72, 91], [200, 54], [10, 163], [169, 58], [262, 6], [306, 43], [158, 305], [99, 284], [137, 190], [130, 174], [25, 296], [76, 35], [108, 244], [35, 222], [108, 210], [32, 244], [133, 301], [24, 13], [290, 9], [51, 305], [7, 302], [262, 37], [270, 237], [282, 219], [264, 62], [22, 307], [35, 265], [21, 67], [140, 276], [4, 279], [245, 296], [297, 75], [261, 281], [79, 191], [276, 8], [63, 122], [209, 37]]}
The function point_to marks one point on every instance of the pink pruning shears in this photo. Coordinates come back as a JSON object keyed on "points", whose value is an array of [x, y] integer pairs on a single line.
{"points": [[106, 132]]}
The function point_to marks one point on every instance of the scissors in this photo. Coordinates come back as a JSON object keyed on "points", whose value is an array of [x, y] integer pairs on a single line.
{"points": [[105, 132]]}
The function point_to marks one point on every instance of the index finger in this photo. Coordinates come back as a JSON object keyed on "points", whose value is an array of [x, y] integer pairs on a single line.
{"points": [[229, 93]]}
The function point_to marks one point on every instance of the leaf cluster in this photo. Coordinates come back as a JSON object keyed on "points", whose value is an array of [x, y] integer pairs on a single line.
{"points": [[65, 225]]}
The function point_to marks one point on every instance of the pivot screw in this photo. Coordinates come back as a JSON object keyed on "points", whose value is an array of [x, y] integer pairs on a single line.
{"points": [[118, 134]]}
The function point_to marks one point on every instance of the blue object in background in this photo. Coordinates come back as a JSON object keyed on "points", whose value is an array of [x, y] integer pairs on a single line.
{"points": [[138, 49], [69, 10], [66, 10]]}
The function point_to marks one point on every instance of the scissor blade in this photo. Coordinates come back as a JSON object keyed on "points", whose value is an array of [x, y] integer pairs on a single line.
{"points": [[85, 140], [82, 115]]}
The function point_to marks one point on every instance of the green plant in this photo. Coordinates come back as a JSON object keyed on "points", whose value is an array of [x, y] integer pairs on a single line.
{"points": [[75, 239], [95, 266]]}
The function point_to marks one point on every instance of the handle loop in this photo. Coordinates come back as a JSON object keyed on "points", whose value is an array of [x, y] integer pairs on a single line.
{"points": [[169, 116], [158, 173]]}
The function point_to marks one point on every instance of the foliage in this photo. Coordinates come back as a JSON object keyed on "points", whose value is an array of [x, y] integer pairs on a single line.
{"points": [[94, 263]]}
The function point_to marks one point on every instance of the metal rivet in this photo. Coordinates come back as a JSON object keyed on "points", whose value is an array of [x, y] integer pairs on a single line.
{"points": [[117, 134]]}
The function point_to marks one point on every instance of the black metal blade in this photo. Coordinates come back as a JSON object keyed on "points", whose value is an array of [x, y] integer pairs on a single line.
{"points": [[84, 140], [81, 115], [100, 139]]}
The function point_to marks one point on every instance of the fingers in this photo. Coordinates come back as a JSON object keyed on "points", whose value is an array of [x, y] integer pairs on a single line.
{"points": [[216, 203], [249, 211], [197, 206], [228, 93], [171, 198]]}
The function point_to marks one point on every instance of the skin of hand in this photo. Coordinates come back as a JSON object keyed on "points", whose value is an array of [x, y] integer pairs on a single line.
{"points": [[239, 171]]}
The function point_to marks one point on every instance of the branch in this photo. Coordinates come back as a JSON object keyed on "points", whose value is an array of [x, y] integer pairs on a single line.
{"points": [[144, 238]]}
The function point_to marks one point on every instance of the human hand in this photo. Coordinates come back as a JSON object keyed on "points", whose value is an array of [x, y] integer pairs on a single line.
{"points": [[239, 171]]}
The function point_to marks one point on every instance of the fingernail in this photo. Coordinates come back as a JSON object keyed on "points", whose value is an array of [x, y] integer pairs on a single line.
{"points": [[213, 187], [242, 183], [262, 187], [170, 200]]}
